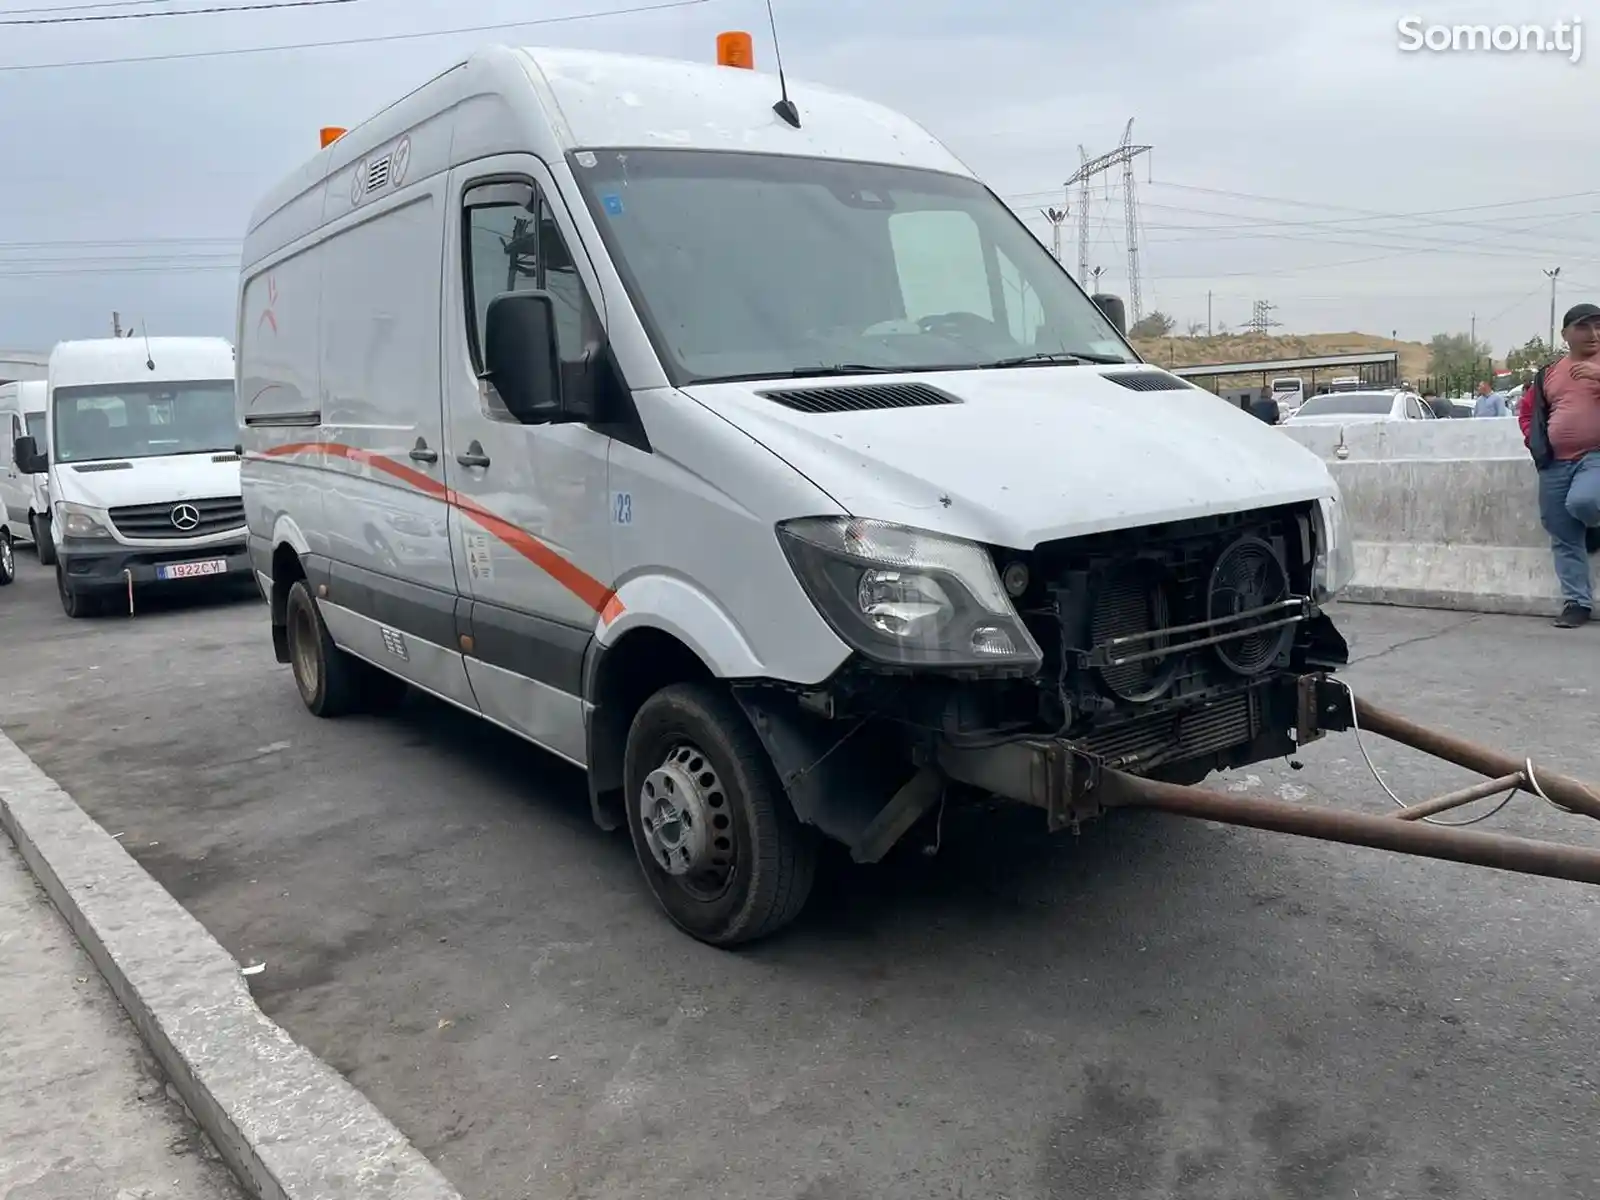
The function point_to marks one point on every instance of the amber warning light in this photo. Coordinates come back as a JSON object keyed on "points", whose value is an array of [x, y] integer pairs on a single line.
{"points": [[735, 49], [331, 134]]}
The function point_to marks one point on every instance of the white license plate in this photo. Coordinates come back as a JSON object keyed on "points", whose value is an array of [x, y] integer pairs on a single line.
{"points": [[192, 570]]}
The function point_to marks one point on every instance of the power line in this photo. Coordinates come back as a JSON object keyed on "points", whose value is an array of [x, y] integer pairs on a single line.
{"points": [[263, 6], [127, 243], [65, 8], [631, 10]]}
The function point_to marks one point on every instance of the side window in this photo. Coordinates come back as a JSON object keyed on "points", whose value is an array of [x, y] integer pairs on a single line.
{"points": [[501, 255], [559, 276], [938, 255], [513, 244]]}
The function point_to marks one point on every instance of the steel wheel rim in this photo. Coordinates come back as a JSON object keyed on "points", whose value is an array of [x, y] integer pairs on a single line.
{"points": [[686, 820], [302, 642]]}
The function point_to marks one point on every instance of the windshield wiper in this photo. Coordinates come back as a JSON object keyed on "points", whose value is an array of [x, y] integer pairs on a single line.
{"points": [[1076, 360], [844, 369]]}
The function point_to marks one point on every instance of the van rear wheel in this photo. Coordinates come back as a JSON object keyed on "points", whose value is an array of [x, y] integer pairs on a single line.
{"points": [[713, 831], [324, 674], [8, 558], [331, 682]]}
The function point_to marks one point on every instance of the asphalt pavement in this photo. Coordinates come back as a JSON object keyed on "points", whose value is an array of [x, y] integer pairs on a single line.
{"points": [[1157, 1007]]}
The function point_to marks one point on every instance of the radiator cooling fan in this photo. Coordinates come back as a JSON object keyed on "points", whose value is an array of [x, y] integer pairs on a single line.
{"points": [[1249, 575]]}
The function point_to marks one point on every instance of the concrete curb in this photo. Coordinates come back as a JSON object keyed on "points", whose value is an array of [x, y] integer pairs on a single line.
{"points": [[289, 1125]]}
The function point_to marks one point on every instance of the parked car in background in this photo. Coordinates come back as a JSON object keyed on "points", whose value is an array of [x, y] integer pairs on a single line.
{"points": [[1358, 408]]}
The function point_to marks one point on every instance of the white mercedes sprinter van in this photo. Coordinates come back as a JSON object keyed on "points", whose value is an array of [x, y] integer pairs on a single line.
{"points": [[26, 516], [143, 467], [756, 459]]}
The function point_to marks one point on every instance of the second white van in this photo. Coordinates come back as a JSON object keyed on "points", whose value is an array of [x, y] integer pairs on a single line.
{"points": [[142, 468], [745, 450], [25, 494]]}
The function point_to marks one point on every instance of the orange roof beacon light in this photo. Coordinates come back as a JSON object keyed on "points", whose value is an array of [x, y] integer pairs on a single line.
{"points": [[735, 49], [331, 134]]}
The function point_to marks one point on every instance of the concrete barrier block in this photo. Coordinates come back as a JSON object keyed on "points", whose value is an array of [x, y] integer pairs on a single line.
{"points": [[1485, 437], [1453, 534]]}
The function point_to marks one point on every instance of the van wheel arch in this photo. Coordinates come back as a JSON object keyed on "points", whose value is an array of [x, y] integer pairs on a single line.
{"points": [[618, 679], [287, 570]]}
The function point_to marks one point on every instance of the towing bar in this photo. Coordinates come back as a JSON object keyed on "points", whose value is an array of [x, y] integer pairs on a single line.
{"points": [[1070, 785]]}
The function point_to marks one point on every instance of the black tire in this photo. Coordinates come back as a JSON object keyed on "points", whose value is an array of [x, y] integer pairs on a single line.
{"points": [[42, 545], [327, 678], [8, 558], [767, 857], [75, 603]]}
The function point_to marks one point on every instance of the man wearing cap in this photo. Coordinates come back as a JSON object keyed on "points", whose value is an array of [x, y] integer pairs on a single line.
{"points": [[1560, 418]]}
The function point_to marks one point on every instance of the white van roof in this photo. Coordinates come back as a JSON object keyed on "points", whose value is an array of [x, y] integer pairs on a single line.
{"points": [[510, 100], [32, 394], [122, 360]]}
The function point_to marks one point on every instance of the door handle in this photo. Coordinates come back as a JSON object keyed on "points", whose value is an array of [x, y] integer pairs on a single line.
{"points": [[420, 453], [474, 456]]}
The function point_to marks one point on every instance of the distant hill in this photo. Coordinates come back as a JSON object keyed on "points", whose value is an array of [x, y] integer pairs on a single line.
{"points": [[1178, 351]]}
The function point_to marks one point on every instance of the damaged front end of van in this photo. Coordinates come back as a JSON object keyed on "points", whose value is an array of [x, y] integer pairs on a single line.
{"points": [[1167, 651]]}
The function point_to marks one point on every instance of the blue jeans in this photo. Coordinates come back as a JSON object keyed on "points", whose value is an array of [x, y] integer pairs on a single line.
{"points": [[1569, 503]]}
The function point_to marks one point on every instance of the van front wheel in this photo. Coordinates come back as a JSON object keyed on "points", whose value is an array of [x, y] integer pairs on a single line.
{"points": [[40, 524], [714, 833]]}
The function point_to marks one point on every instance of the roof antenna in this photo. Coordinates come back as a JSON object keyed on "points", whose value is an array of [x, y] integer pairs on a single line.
{"points": [[784, 108], [149, 359]]}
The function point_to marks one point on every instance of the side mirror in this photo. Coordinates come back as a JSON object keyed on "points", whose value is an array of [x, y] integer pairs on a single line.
{"points": [[25, 453], [519, 355], [1113, 308]]}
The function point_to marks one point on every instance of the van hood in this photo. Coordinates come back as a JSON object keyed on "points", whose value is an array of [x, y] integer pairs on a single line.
{"points": [[118, 481], [1030, 454]]}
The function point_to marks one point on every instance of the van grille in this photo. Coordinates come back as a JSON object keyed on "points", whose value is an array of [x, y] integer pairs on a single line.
{"points": [[378, 174], [161, 521], [861, 397]]}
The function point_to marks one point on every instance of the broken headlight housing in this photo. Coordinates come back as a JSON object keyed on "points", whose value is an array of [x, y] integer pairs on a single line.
{"points": [[909, 598]]}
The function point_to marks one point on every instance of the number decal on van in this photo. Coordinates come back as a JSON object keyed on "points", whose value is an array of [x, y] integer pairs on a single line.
{"points": [[622, 508]]}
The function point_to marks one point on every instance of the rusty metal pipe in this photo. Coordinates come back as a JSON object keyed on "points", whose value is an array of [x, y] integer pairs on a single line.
{"points": [[1549, 859], [1466, 795], [1569, 793]]}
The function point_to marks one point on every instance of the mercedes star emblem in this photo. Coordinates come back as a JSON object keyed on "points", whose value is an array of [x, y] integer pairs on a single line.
{"points": [[185, 517]]}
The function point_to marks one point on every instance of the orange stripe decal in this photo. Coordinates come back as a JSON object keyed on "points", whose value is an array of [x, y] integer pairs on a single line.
{"points": [[598, 596]]}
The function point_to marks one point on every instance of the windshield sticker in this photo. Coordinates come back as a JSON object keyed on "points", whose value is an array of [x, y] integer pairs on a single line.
{"points": [[586, 158], [612, 203]]}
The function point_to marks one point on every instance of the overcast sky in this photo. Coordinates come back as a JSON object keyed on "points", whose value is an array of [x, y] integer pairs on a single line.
{"points": [[1291, 142]]}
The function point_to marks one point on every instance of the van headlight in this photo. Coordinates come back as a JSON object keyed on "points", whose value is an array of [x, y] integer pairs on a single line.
{"points": [[906, 597], [81, 521], [1334, 568]]}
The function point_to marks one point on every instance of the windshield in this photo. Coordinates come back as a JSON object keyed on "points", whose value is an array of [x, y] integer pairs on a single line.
{"points": [[1348, 403], [142, 420], [36, 429], [750, 266]]}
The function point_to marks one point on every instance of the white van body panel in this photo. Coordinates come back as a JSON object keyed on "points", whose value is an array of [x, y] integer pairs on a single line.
{"points": [[696, 555], [35, 395], [1030, 455]]}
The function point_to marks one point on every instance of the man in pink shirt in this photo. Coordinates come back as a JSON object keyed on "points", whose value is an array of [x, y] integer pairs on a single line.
{"points": [[1560, 417]]}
